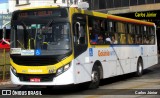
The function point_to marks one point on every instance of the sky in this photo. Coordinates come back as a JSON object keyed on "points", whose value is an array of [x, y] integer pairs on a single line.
{"points": [[3, 4], [3, 1]]}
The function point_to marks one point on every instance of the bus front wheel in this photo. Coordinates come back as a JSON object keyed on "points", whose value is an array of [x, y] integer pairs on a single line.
{"points": [[95, 78], [139, 68]]}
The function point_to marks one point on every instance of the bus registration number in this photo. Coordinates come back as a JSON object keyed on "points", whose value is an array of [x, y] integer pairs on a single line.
{"points": [[35, 80]]}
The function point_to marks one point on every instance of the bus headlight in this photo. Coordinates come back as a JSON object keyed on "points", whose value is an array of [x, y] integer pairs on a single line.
{"points": [[62, 69], [13, 70]]}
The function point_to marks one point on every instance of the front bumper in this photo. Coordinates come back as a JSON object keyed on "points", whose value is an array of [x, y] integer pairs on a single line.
{"points": [[65, 78]]}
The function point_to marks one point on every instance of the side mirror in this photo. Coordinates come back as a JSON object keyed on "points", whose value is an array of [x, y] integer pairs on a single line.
{"points": [[4, 33]]}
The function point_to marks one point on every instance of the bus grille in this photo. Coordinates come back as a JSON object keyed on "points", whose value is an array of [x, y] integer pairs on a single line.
{"points": [[42, 77], [31, 61]]}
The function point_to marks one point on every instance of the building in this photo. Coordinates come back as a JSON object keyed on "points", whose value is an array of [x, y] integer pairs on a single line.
{"points": [[3, 12], [18, 4], [3, 6], [5, 16], [114, 6]]}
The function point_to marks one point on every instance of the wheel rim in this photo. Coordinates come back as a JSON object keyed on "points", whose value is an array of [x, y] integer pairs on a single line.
{"points": [[94, 76], [140, 68]]}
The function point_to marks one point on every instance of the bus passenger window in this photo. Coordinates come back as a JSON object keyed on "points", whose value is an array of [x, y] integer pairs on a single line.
{"points": [[151, 40], [96, 24], [114, 40], [136, 39], [145, 40], [108, 40], [130, 29], [140, 39], [100, 39], [93, 38], [130, 39], [122, 39]]}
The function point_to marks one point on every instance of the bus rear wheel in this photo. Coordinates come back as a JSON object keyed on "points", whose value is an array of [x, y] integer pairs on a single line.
{"points": [[95, 78], [139, 68]]}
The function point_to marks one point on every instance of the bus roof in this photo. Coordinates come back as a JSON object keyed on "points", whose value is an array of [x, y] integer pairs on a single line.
{"points": [[129, 20], [39, 7], [114, 17]]}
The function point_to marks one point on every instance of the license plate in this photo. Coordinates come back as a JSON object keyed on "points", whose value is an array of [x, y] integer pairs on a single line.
{"points": [[35, 80]]}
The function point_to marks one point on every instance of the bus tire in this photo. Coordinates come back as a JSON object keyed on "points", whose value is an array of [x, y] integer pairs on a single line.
{"points": [[95, 78], [139, 68]]}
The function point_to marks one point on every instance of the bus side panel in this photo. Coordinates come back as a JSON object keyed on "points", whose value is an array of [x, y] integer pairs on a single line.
{"points": [[152, 55], [109, 69], [135, 55], [144, 54], [123, 61], [107, 58], [83, 68]]}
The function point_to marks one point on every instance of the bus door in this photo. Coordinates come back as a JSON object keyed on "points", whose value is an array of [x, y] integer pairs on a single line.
{"points": [[80, 47]]}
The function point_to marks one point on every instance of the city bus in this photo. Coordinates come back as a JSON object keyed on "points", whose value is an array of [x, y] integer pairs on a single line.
{"points": [[56, 45]]}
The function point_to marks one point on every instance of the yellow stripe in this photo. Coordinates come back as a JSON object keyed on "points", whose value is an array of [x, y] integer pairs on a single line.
{"points": [[98, 46], [39, 7]]}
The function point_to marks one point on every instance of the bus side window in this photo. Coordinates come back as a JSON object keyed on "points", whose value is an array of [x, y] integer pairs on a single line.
{"points": [[122, 39], [130, 40], [114, 39], [151, 35]]}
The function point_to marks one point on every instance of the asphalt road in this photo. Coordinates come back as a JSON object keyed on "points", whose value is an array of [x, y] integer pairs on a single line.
{"points": [[125, 86]]}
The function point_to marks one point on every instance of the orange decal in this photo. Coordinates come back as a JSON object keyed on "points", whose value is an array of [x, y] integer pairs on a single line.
{"points": [[103, 53]]}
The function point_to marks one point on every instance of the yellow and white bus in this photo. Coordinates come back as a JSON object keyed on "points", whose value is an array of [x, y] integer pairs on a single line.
{"points": [[63, 45]]}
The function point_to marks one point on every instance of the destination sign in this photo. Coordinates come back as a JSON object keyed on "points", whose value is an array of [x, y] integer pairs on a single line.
{"points": [[43, 12]]}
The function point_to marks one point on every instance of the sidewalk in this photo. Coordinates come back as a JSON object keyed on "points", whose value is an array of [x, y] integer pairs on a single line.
{"points": [[5, 82]]}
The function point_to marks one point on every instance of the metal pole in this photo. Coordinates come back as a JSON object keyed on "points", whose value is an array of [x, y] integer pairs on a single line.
{"points": [[4, 63]]}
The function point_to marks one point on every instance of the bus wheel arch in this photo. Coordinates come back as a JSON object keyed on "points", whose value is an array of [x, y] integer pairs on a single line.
{"points": [[96, 75], [140, 66]]}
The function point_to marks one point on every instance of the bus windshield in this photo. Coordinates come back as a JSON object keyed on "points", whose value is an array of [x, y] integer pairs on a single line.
{"points": [[49, 35]]}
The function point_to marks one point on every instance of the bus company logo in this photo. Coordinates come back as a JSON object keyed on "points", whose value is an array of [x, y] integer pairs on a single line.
{"points": [[34, 70], [103, 53]]}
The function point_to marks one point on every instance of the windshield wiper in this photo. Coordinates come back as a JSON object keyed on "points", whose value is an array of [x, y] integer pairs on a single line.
{"points": [[47, 26], [25, 28]]}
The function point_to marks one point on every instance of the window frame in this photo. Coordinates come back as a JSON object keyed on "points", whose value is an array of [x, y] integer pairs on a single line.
{"points": [[132, 36]]}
